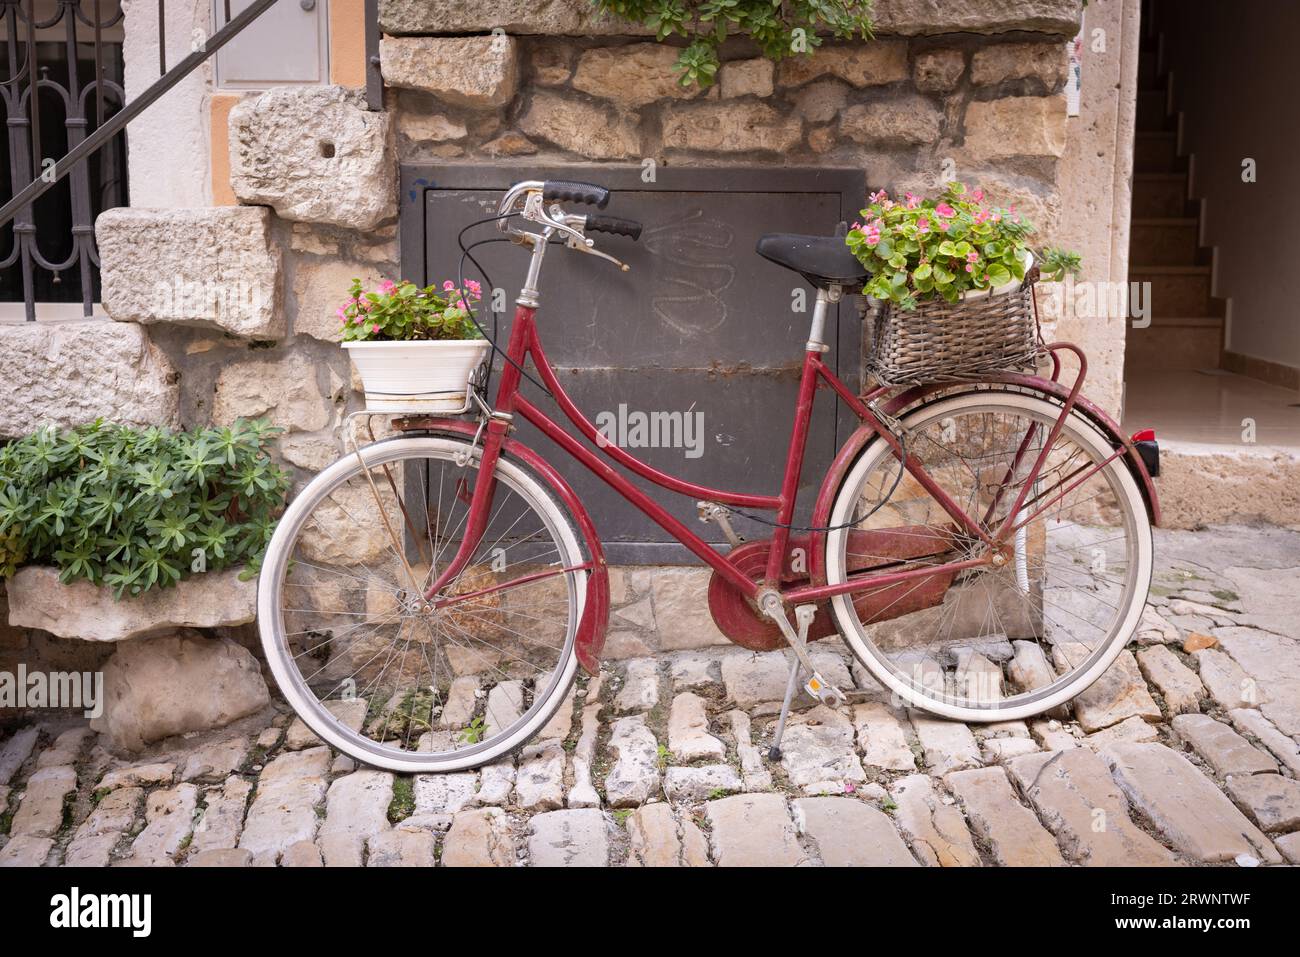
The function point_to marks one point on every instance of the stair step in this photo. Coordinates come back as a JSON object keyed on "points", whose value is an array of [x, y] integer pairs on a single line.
{"points": [[1160, 194], [1177, 290], [1187, 322], [1153, 110], [1161, 346], [1156, 269], [1173, 241], [1157, 152]]}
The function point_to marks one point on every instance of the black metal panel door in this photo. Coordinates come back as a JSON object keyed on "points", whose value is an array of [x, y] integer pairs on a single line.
{"points": [[691, 359]]}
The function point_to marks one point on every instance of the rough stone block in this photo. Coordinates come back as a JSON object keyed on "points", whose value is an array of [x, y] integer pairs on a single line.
{"points": [[730, 127], [1045, 62], [314, 154], [157, 687], [907, 121], [478, 72], [872, 63], [214, 266], [632, 76], [320, 290], [71, 373], [285, 390], [1016, 126], [81, 610], [581, 127]]}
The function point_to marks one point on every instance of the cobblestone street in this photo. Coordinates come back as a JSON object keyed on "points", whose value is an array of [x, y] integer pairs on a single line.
{"points": [[1184, 753]]}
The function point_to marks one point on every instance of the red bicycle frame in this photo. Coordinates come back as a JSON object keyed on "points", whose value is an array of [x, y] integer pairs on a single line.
{"points": [[525, 344]]}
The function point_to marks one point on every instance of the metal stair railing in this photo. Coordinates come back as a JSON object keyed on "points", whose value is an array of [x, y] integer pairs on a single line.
{"points": [[25, 151]]}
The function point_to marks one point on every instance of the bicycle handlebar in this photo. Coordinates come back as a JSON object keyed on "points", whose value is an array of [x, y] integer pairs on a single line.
{"points": [[587, 193], [613, 224]]}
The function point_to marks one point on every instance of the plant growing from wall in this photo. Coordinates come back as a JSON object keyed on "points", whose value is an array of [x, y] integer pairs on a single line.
{"points": [[136, 509], [779, 28], [917, 249]]}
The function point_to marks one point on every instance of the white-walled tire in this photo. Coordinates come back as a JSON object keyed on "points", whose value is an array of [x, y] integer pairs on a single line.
{"points": [[929, 658], [354, 590]]}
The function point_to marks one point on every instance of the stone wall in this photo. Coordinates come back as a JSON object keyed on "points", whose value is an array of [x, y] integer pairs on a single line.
{"points": [[911, 112]]}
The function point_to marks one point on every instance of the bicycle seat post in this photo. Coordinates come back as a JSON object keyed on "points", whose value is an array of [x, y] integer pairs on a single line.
{"points": [[825, 296]]}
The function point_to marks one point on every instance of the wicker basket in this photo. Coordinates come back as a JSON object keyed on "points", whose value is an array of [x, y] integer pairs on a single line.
{"points": [[962, 341]]}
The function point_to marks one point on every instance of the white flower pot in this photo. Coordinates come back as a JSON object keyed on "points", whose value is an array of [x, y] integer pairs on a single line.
{"points": [[414, 377], [1011, 286]]}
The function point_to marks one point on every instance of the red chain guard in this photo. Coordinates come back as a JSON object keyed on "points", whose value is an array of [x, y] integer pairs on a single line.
{"points": [[743, 624]]}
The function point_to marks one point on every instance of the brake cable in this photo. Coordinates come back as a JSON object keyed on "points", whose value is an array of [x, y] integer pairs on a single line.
{"points": [[460, 280], [902, 465]]}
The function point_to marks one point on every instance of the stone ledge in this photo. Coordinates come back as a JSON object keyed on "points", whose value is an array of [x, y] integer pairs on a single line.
{"points": [[1202, 484], [212, 267], [71, 373], [580, 17], [37, 599]]}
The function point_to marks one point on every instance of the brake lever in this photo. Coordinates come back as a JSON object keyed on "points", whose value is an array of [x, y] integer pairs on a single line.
{"points": [[535, 210], [590, 250]]}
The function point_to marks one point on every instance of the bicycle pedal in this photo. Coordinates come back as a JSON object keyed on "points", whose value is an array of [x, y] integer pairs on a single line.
{"points": [[824, 691]]}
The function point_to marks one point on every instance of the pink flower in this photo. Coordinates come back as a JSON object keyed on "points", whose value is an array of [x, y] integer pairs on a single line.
{"points": [[946, 211], [375, 328], [387, 286], [341, 313], [857, 226], [978, 196], [922, 225], [448, 286], [872, 239], [970, 267], [943, 227], [878, 196], [912, 201], [972, 256]]}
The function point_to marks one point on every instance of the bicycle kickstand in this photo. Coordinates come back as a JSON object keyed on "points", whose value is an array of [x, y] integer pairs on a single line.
{"points": [[817, 686]]}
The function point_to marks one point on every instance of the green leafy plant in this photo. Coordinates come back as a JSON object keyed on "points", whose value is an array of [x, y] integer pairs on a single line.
{"points": [[920, 249], [779, 28], [473, 732], [136, 509], [401, 312]]}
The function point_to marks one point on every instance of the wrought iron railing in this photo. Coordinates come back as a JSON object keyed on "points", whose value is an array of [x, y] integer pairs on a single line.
{"points": [[94, 116]]}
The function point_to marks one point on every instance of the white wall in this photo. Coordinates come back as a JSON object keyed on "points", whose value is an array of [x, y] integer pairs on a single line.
{"points": [[168, 143]]}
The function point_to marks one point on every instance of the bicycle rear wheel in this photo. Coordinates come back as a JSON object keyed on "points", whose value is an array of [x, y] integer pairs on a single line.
{"points": [[397, 680], [994, 643]]}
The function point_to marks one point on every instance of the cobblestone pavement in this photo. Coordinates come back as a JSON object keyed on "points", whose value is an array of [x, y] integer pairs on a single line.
{"points": [[1185, 753]]}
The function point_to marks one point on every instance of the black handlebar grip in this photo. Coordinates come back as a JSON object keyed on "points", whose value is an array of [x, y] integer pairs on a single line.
{"points": [[612, 224], [587, 193]]}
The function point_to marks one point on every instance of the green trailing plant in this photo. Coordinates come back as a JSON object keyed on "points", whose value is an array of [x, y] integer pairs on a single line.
{"points": [[402, 312], [779, 28], [136, 509], [918, 249]]}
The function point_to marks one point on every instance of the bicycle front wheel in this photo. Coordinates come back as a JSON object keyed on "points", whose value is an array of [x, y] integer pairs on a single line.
{"points": [[393, 677], [1008, 639]]}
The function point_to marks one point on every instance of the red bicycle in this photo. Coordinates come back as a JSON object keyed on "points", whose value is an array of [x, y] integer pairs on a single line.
{"points": [[984, 549]]}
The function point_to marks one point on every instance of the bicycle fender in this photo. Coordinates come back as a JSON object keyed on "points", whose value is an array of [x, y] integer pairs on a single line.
{"points": [[592, 627], [855, 443]]}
